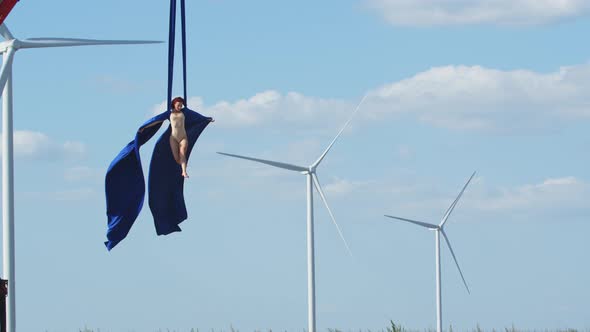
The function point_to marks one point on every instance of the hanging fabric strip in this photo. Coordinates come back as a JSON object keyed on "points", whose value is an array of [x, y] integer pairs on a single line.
{"points": [[183, 27], [171, 44], [171, 31]]}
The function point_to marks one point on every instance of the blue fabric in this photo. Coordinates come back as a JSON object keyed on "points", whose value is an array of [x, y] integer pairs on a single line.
{"points": [[183, 39], [125, 184], [171, 40]]}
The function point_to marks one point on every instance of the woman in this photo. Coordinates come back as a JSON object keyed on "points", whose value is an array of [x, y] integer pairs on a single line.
{"points": [[178, 138]]}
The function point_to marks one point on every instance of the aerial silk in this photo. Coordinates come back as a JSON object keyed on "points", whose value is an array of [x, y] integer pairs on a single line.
{"points": [[5, 8], [125, 184]]}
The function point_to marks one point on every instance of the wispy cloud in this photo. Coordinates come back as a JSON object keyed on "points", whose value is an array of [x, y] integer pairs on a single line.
{"points": [[464, 12], [341, 186], [419, 196], [34, 145], [558, 194]]}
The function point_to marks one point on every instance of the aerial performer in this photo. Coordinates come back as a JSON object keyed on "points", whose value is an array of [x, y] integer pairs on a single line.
{"points": [[178, 137], [124, 182]]}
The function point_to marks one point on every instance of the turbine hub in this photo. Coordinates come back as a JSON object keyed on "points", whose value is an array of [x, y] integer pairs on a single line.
{"points": [[310, 170], [5, 45]]}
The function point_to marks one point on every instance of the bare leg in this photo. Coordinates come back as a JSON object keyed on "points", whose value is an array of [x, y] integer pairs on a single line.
{"points": [[183, 147], [174, 146]]}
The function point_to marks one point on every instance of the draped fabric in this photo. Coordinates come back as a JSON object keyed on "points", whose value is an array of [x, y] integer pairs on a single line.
{"points": [[165, 183], [125, 184]]}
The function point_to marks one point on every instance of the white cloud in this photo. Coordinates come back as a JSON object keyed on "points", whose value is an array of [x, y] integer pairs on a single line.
{"points": [[72, 148], [427, 198], [458, 12], [455, 97], [35, 145], [570, 180], [344, 186], [552, 194], [478, 98], [267, 107]]}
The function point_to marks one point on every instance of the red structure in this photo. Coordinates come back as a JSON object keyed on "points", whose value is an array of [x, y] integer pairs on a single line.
{"points": [[5, 8]]}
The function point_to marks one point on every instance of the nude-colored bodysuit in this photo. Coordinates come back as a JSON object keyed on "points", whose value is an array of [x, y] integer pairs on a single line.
{"points": [[177, 124]]}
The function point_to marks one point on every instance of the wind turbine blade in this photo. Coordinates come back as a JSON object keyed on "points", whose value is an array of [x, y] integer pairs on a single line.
{"points": [[452, 207], [420, 223], [316, 181], [6, 68], [67, 42], [338, 135], [455, 259], [5, 32], [269, 162]]}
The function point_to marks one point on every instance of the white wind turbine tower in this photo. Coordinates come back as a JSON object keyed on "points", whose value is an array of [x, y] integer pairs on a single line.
{"points": [[439, 229], [8, 48], [312, 180]]}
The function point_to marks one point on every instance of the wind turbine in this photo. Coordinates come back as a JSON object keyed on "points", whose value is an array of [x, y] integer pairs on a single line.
{"points": [[8, 48], [439, 229], [312, 180]]}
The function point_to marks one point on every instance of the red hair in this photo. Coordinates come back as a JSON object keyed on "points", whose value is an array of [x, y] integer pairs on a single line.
{"points": [[175, 100]]}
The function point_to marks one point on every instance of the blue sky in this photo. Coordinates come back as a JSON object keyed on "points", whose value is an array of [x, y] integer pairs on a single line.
{"points": [[496, 86]]}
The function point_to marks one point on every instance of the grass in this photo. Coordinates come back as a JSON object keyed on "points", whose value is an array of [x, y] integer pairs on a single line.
{"points": [[392, 327]]}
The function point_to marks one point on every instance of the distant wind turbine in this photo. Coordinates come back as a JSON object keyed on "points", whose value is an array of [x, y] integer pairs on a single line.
{"points": [[312, 180], [439, 229], [8, 48]]}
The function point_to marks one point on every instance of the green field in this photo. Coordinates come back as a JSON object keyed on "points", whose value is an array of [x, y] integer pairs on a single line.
{"points": [[393, 327]]}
